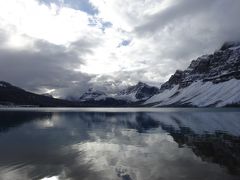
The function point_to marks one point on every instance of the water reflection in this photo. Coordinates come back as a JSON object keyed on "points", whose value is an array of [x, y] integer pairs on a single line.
{"points": [[124, 146]]}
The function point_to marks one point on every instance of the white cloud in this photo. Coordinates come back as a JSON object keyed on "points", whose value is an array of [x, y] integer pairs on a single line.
{"points": [[162, 36], [55, 24]]}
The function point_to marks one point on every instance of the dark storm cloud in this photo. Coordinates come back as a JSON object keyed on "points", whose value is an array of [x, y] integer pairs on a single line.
{"points": [[36, 69], [44, 65], [221, 13], [178, 10], [187, 29]]}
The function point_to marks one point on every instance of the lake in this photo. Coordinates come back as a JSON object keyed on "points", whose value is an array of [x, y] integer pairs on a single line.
{"points": [[119, 144]]}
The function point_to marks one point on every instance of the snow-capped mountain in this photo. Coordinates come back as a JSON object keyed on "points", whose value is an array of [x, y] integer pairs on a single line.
{"points": [[92, 95], [210, 80], [97, 98], [139, 92]]}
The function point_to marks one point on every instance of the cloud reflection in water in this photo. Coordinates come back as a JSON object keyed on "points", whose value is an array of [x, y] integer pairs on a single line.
{"points": [[124, 146]]}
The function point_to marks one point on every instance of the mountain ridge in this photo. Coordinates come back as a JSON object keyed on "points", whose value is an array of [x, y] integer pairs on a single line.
{"points": [[14, 96], [209, 81], [213, 75]]}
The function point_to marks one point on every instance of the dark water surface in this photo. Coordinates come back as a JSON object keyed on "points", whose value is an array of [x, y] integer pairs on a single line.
{"points": [[124, 144]]}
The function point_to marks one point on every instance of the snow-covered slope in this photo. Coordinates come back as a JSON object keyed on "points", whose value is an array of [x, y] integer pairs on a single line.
{"points": [[211, 80], [201, 94]]}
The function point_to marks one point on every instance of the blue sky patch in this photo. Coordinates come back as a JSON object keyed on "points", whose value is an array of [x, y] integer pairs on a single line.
{"points": [[94, 21], [82, 5], [124, 43]]}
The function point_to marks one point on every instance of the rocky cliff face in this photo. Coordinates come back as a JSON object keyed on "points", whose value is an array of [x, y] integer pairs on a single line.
{"points": [[221, 66], [210, 80]]}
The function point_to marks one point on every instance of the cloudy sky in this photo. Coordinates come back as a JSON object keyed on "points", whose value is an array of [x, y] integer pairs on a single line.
{"points": [[67, 46]]}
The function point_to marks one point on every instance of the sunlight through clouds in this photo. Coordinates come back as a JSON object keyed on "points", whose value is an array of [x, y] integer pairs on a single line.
{"points": [[51, 178], [58, 25], [136, 39]]}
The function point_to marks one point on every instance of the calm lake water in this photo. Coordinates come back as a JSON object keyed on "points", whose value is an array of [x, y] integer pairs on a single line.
{"points": [[124, 144]]}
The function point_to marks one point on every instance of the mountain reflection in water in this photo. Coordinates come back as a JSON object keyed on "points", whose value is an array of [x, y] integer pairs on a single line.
{"points": [[193, 145]]}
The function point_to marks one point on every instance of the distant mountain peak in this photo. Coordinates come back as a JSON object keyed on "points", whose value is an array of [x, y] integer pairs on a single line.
{"points": [[140, 91], [92, 94]]}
